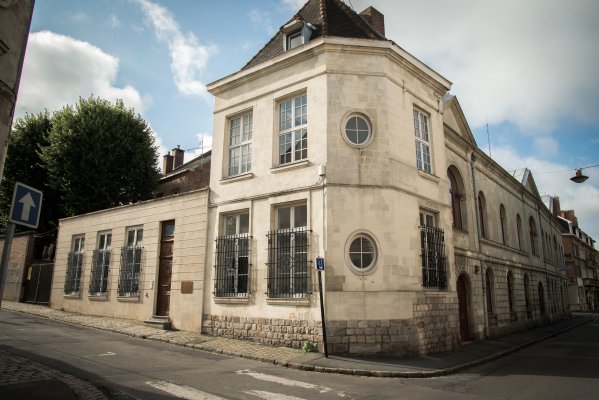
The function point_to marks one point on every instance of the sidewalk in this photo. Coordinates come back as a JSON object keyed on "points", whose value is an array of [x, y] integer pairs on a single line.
{"points": [[469, 355]]}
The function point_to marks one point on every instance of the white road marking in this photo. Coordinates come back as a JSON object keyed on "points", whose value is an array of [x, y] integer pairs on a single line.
{"points": [[271, 396], [283, 381], [183, 392], [110, 353]]}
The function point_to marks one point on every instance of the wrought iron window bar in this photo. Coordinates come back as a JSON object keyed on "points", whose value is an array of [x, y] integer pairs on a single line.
{"points": [[129, 275], [98, 282], [232, 266], [288, 263], [73, 277], [434, 263]]}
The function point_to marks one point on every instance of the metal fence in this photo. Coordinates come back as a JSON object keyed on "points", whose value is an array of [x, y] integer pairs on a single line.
{"points": [[98, 281], [130, 271], [73, 278], [232, 266], [288, 263], [434, 270]]}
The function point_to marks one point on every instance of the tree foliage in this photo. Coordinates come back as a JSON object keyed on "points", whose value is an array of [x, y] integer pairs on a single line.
{"points": [[90, 156], [23, 164], [100, 155]]}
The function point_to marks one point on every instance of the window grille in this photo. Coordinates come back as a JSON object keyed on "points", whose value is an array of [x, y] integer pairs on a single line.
{"points": [[99, 274], [434, 274], [73, 278], [130, 271], [288, 263], [232, 266]]}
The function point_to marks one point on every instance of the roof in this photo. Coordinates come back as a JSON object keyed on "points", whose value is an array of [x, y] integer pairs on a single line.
{"points": [[191, 164], [329, 18]]}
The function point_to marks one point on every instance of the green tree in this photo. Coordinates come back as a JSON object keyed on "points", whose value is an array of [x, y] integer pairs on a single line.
{"points": [[100, 155], [28, 137]]}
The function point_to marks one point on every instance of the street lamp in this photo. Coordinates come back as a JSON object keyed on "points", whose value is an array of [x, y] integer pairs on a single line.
{"points": [[579, 177]]}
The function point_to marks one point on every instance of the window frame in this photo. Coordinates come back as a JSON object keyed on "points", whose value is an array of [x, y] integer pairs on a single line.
{"points": [[131, 263], [242, 146], [423, 140], [98, 279], [503, 224], [232, 263], [361, 235], [346, 120], [456, 200], [74, 270], [432, 252], [292, 137]]}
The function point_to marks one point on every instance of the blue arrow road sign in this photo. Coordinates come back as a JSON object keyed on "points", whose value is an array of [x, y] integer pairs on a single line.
{"points": [[26, 205], [319, 264]]}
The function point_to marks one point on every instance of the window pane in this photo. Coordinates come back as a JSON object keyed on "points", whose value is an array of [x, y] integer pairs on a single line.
{"points": [[140, 235], [352, 123], [356, 259], [130, 238], [235, 130], [301, 216], [231, 225], [244, 223], [284, 217], [361, 124]]}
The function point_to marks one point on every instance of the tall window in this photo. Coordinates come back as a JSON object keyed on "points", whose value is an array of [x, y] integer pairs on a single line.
{"points": [[74, 266], [423, 146], [503, 223], [510, 291], [293, 130], [288, 271], [232, 261], [432, 253], [489, 289], [98, 282], [519, 230], [482, 214], [240, 144], [533, 236], [527, 292], [456, 200], [131, 256]]}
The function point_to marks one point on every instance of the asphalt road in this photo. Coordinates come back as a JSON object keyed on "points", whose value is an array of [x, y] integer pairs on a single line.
{"points": [[565, 367]]}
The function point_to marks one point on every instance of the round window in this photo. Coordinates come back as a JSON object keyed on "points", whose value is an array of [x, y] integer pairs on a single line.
{"points": [[357, 129], [362, 252]]}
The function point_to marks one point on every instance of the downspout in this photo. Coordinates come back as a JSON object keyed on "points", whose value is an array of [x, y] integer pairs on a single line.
{"points": [[482, 279], [544, 261]]}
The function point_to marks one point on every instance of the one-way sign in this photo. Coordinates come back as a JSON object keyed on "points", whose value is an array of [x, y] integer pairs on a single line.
{"points": [[26, 206]]}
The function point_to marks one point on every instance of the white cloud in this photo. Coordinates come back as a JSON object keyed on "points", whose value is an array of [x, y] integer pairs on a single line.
{"points": [[546, 145], [114, 21], [554, 179], [59, 69], [532, 62], [188, 57], [204, 145], [294, 5]]}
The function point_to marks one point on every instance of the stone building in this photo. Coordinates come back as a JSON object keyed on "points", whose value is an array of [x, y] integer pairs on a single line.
{"points": [[179, 177], [581, 264], [15, 20], [143, 261], [335, 142]]}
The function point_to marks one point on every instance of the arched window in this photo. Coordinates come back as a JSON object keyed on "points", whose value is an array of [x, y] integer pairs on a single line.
{"points": [[489, 289], [541, 298], [510, 291], [482, 213], [533, 236], [456, 200], [519, 230], [503, 224]]}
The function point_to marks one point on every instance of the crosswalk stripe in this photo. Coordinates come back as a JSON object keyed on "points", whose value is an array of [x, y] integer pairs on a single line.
{"points": [[183, 392], [283, 381], [271, 396]]}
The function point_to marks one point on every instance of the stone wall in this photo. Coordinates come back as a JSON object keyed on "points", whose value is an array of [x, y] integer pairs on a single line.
{"points": [[273, 331], [434, 328]]}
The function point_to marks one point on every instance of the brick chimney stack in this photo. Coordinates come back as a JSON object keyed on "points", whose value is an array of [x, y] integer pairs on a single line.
{"points": [[571, 216], [178, 154], [375, 19], [557, 210], [167, 164]]}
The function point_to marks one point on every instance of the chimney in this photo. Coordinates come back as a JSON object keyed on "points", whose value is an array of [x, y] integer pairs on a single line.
{"points": [[556, 206], [571, 216], [178, 155], [167, 164], [374, 19]]}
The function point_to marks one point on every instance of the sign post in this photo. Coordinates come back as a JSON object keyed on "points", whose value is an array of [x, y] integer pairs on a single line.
{"points": [[25, 210], [320, 268]]}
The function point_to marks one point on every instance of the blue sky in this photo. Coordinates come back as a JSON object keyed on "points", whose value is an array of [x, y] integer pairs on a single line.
{"points": [[528, 69]]}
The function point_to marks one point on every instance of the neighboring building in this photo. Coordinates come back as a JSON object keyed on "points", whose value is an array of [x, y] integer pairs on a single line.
{"points": [[29, 274], [581, 264], [178, 177], [138, 261], [335, 142], [15, 20]]}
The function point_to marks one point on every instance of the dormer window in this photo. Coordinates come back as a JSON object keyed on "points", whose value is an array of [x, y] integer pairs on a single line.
{"points": [[297, 33]]}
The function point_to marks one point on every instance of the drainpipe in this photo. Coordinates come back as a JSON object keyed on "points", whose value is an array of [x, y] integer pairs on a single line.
{"points": [[482, 278], [544, 263]]}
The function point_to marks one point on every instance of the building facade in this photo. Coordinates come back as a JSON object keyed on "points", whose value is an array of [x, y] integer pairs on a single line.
{"points": [[335, 142], [143, 261]]}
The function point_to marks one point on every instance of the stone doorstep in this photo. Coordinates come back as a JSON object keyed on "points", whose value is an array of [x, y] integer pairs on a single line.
{"points": [[159, 322]]}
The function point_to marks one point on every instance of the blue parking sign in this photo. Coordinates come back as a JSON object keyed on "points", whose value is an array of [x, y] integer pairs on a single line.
{"points": [[319, 264], [26, 206]]}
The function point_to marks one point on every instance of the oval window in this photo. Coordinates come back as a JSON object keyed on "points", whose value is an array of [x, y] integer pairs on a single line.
{"points": [[357, 129], [362, 252]]}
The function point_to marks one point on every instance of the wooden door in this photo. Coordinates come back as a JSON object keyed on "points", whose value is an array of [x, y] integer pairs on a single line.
{"points": [[165, 269], [463, 307]]}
